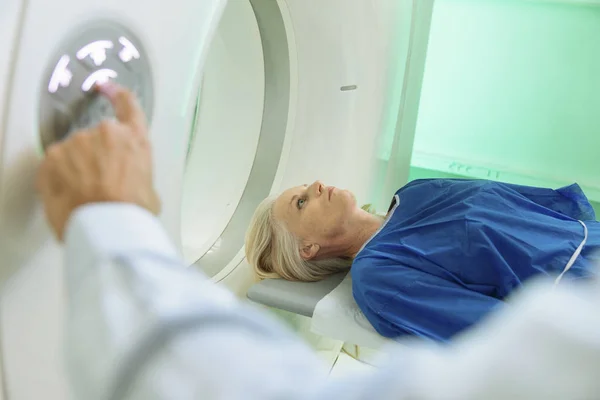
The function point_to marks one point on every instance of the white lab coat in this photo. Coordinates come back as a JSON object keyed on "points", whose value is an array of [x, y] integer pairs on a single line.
{"points": [[142, 326]]}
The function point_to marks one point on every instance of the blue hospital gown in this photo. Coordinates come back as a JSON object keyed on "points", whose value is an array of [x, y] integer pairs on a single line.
{"points": [[452, 250]]}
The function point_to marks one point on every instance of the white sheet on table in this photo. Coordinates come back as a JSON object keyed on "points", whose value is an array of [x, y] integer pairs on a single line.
{"points": [[338, 316]]}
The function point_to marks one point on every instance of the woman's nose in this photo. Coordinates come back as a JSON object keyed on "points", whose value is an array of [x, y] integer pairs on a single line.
{"points": [[317, 187]]}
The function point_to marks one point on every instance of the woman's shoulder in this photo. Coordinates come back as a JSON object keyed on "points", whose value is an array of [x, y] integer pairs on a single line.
{"points": [[368, 271], [420, 198]]}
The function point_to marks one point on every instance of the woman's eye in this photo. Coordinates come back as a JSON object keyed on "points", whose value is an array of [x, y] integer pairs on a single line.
{"points": [[301, 202]]}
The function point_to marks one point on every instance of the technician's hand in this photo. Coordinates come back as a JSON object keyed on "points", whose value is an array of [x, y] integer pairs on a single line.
{"points": [[111, 162]]}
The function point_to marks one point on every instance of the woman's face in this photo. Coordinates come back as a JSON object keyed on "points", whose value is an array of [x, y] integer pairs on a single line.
{"points": [[316, 213]]}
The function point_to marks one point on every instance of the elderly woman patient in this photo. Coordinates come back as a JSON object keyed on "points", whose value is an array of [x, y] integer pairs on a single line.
{"points": [[447, 253]]}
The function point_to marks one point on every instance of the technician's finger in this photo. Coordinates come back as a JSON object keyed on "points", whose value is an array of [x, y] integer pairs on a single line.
{"points": [[127, 108]]}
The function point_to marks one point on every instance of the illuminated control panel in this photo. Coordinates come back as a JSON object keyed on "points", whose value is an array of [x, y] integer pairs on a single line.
{"points": [[99, 52]]}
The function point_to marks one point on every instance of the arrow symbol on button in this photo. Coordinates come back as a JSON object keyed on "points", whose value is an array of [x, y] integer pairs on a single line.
{"points": [[99, 77]]}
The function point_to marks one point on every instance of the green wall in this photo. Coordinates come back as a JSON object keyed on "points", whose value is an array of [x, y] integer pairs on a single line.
{"points": [[512, 93]]}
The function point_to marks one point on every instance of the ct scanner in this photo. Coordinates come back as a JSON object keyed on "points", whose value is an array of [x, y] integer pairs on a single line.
{"points": [[248, 97], [245, 98]]}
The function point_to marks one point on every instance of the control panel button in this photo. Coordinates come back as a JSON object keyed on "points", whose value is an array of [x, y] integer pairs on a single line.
{"points": [[129, 51], [61, 76], [94, 54], [98, 77]]}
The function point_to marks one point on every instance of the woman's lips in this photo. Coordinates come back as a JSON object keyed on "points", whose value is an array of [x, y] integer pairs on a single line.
{"points": [[330, 189]]}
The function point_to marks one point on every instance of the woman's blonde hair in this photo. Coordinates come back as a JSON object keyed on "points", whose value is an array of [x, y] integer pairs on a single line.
{"points": [[274, 252]]}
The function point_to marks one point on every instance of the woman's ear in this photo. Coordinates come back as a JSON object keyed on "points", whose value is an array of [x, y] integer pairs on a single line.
{"points": [[309, 251]]}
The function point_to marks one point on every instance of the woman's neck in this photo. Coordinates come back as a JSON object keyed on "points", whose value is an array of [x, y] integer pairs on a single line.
{"points": [[364, 228]]}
